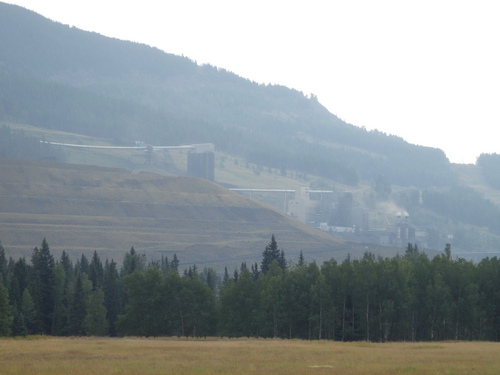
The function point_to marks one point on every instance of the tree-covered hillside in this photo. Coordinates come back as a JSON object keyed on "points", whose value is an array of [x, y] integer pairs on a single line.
{"points": [[63, 78], [490, 166]]}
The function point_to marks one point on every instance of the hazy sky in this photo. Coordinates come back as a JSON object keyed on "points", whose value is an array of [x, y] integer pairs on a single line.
{"points": [[428, 71]]}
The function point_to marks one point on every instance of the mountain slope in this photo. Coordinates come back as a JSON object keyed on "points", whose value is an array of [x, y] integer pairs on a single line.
{"points": [[61, 80], [82, 208], [170, 99]]}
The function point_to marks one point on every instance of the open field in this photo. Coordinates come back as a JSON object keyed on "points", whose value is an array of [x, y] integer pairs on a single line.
{"points": [[214, 356]]}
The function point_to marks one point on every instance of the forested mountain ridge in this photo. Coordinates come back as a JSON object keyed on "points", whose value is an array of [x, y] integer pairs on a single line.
{"points": [[60, 78], [126, 91]]}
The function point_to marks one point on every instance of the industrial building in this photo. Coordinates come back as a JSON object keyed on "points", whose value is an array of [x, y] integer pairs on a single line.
{"points": [[329, 210], [334, 212], [201, 161]]}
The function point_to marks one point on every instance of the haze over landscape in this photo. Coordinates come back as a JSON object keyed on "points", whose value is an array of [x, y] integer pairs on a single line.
{"points": [[426, 71], [65, 85], [153, 194]]}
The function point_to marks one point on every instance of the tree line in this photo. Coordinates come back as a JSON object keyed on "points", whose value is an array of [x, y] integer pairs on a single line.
{"points": [[403, 298]]}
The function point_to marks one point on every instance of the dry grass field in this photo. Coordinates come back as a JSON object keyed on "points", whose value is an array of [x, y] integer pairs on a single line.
{"points": [[82, 209], [44, 356]]}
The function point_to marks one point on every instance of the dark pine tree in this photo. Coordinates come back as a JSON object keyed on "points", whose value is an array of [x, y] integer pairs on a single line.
{"points": [[82, 266], [255, 271], [43, 286], [21, 274], [235, 275], [96, 272], [282, 260], [164, 265], [113, 295], [3, 266], [61, 323], [174, 265], [271, 253], [77, 309], [67, 266], [301, 259], [225, 278]]}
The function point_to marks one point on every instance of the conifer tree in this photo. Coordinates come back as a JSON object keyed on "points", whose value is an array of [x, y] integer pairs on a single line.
{"points": [[67, 266], [43, 286], [301, 259], [96, 271], [174, 265], [282, 260], [113, 295], [3, 266], [164, 265], [5, 312], [271, 253], [60, 303], [78, 309], [235, 275], [255, 271], [20, 273], [61, 323], [225, 278], [82, 266]]}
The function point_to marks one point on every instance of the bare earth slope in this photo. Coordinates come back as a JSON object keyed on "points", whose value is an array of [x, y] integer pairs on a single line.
{"points": [[84, 208]]}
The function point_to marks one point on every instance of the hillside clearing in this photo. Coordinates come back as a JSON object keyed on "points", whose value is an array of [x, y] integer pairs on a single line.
{"points": [[81, 209]]}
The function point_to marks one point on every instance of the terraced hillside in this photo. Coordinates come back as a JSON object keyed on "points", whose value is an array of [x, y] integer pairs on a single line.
{"points": [[84, 208]]}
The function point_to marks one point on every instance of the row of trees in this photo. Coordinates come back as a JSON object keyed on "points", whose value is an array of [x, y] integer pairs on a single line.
{"points": [[409, 297]]}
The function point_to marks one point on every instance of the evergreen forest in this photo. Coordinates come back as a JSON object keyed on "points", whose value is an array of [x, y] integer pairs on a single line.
{"points": [[404, 298]]}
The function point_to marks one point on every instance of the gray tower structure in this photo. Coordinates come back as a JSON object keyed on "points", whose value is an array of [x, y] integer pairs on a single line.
{"points": [[201, 161]]}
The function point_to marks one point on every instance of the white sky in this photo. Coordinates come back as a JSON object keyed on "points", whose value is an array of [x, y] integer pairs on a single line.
{"points": [[427, 71]]}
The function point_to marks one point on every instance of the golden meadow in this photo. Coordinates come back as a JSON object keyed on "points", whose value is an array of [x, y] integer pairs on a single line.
{"points": [[95, 356]]}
